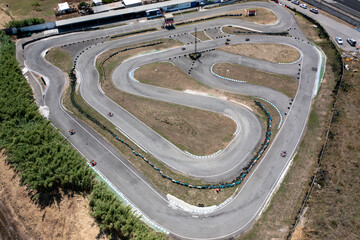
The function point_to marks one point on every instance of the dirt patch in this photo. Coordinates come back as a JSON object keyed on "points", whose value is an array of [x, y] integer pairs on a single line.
{"points": [[285, 84], [263, 16], [299, 233], [67, 219], [4, 16], [272, 52], [201, 35]]}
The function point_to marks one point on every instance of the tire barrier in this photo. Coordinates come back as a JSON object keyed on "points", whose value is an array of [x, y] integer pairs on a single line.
{"points": [[235, 182], [281, 118], [132, 33], [207, 18]]}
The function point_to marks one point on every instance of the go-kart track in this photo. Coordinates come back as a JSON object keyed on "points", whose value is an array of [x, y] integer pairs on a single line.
{"points": [[239, 213]]}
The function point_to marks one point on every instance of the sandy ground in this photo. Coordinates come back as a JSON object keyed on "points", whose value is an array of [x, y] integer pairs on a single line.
{"points": [[68, 219], [4, 18]]}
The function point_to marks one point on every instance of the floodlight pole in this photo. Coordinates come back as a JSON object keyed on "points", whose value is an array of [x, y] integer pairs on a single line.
{"points": [[195, 39]]}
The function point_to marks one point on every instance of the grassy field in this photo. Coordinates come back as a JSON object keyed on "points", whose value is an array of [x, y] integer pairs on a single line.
{"points": [[333, 207], [277, 219], [272, 52], [285, 84], [60, 58], [20, 9]]}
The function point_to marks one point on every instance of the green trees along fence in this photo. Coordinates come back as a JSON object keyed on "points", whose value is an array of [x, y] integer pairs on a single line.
{"points": [[45, 161]]}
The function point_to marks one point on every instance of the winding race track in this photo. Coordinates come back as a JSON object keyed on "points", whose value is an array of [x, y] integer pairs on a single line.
{"points": [[238, 214]]}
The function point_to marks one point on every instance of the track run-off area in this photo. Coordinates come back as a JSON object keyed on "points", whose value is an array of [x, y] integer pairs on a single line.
{"points": [[238, 213]]}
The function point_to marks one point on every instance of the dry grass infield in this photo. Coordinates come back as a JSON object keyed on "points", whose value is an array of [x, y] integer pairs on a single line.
{"points": [[264, 16], [60, 58], [272, 52], [192, 196], [285, 84], [165, 74], [201, 35], [197, 131]]}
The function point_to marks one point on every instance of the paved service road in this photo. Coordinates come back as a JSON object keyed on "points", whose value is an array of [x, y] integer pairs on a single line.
{"points": [[333, 27], [238, 214]]}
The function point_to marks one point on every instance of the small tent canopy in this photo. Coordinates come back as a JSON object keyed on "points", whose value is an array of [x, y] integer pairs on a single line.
{"points": [[97, 2], [63, 6]]}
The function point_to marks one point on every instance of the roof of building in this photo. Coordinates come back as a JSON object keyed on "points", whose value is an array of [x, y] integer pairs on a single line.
{"points": [[118, 12], [107, 7], [63, 6], [131, 2]]}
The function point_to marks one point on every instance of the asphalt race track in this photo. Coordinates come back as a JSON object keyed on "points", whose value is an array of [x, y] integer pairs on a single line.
{"points": [[238, 214]]}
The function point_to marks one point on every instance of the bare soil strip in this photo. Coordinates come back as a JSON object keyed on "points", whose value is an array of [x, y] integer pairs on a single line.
{"points": [[201, 35], [66, 219], [272, 52], [285, 84]]}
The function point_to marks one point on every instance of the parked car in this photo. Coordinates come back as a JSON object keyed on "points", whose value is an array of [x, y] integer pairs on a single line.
{"points": [[339, 40], [314, 10], [351, 41], [295, 2], [304, 6]]}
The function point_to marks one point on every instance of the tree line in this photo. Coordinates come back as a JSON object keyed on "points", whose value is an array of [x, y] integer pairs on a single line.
{"points": [[45, 161]]}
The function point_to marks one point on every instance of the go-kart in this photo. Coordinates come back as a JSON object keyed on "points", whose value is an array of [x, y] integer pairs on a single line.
{"points": [[92, 163], [72, 132], [283, 154]]}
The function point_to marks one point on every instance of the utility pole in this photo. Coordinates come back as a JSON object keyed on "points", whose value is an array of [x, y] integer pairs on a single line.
{"points": [[195, 40]]}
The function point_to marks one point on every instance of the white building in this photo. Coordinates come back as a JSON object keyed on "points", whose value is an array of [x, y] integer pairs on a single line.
{"points": [[63, 7], [132, 3], [97, 2]]}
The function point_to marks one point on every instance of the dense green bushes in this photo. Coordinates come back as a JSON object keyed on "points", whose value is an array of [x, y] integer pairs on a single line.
{"points": [[45, 161], [113, 217], [24, 23]]}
